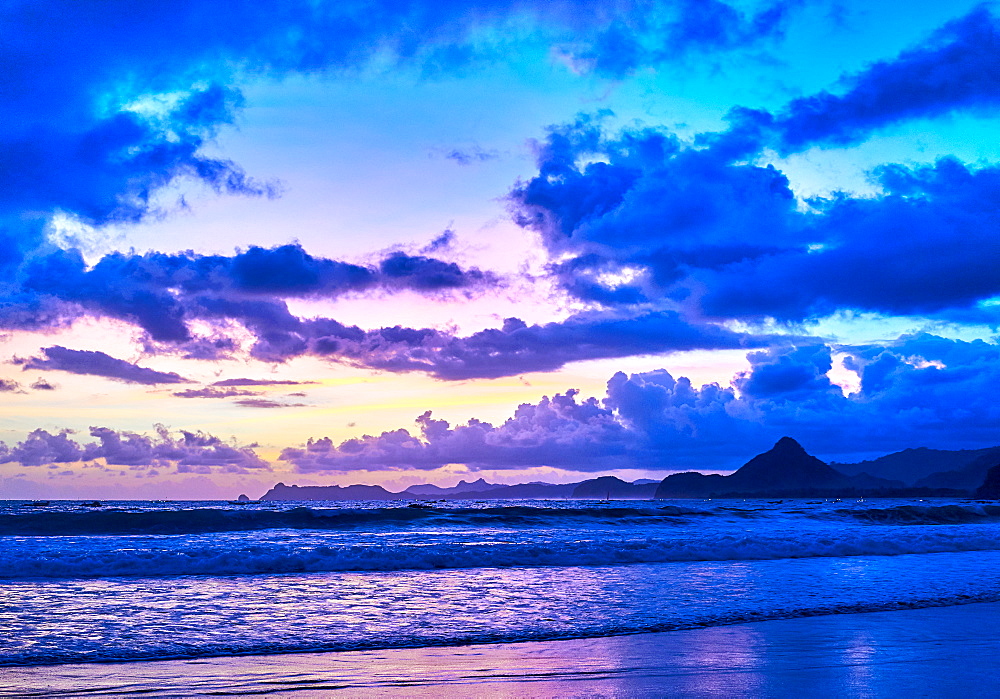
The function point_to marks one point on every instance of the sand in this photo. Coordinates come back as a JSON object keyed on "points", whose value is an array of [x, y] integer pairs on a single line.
{"points": [[937, 652]]}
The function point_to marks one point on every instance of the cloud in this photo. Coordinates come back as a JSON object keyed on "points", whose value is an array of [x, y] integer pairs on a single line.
{"points": [[162, 293], [95, 363], [42, 447], [921, 390], [668, 241], [473, 154], [101, 116], [189, 450], [557, 432], [267, 403], [633, 41], [956, 68], [515, 347], [9, 386], [640, 217], [41, 384], [260, 382], [209, 392], [441, 242]]}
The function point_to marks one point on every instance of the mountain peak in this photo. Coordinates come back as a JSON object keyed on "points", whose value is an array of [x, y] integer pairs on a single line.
{"points": [[785, 465], [787, 444]]}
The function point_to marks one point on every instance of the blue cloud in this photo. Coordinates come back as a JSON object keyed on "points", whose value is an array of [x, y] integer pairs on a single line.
{"points": [[640, 217], [161, 293]]}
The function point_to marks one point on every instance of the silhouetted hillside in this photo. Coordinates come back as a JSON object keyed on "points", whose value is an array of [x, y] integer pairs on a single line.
{"points": [[463, 487], [332, 492], [990, 487], [614, 488], [968, 478], [912, 465], [785, 470]]}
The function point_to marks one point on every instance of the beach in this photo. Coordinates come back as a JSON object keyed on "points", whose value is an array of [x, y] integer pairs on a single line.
{"points": [[530, 598], [932, 652]]}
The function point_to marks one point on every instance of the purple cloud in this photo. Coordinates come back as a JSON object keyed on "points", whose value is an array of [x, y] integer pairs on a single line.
{"points": [[94, 363], [162, 293], [41, 447], [920, 391], [122, 448], [267, 403], [209, 392], [260, 382]]}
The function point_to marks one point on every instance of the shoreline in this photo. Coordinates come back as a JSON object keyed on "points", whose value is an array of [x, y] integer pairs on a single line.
{"points": [[916, 652]]}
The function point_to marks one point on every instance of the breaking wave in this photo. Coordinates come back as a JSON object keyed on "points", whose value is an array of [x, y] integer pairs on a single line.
{"points": [[235, 557], [206, 520], [926, 514]]}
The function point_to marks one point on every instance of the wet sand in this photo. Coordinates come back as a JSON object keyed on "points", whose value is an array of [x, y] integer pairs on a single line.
{"points": [[937, 652]]}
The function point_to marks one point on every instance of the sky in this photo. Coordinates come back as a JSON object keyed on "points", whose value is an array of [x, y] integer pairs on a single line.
{"points": [[393, 243]]}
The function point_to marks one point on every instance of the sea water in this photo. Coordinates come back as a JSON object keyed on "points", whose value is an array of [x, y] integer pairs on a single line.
{"points": [[157, 580]]}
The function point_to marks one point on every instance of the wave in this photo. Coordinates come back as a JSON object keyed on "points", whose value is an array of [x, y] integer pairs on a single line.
{"points": [[236, 557], [217, 650], [925, 514], [207, 520]]}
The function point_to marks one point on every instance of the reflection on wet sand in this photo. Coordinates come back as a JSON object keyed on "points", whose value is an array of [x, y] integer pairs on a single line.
{"points": [[944, 651]]}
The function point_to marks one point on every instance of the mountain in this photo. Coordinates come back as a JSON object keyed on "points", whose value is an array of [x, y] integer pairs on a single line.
{"points": [[991, 484], [332, 492], [529, 491], [463, 487], [609, 487], [913, 465], [786, 470], [969, 477]]}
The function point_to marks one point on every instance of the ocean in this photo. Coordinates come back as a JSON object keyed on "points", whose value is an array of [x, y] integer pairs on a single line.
{"points": [[138, 581]]}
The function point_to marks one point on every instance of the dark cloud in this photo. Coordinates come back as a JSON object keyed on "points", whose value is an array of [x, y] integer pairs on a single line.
{"points": [[640, 217], [677, 238], [924, 246], [648, 219], [922, 390], [9, 386], [956, 68], [115, 101], [190, 450], [441, 242], [516, 347], [429, 274], [96, 363], [162, 293], [41, 384]]}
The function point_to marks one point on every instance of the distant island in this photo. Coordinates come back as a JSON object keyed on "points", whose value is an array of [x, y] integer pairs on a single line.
{"points": [[786, 470]]}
